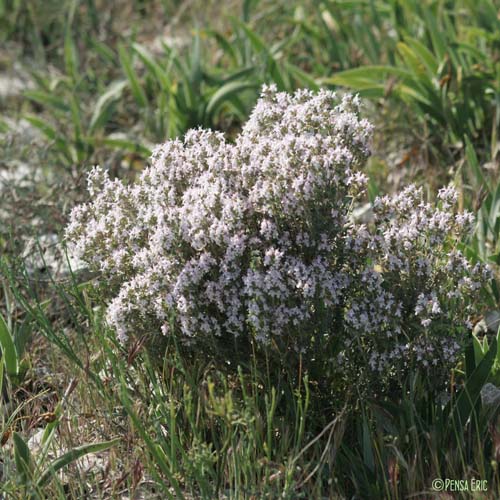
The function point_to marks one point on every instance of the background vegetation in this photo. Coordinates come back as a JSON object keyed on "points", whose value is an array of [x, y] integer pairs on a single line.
{"points": [[87, 81]]}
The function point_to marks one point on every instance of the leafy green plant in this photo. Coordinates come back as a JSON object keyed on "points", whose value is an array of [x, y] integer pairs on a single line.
{"points": [[395, 448], [246, 48], [204, 431], [440, 61], [482, 348], [34, 474], [184, 94], [75, 131], [30, 474], [209, 431], [9, 352], [199, 425], [170, 95], [12, 344], [482, 195], [347, 34]]}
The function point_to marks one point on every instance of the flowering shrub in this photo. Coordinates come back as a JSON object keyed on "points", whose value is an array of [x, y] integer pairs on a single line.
{"points": [[255, 240], [414, 292]]}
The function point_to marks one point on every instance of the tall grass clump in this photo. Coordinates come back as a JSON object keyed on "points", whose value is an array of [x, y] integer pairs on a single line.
{"points": [[251, 246], [436, 60]]}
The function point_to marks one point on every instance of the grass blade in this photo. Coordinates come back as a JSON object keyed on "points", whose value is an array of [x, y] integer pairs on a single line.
{"points": [[105, 104], [23, 458], [225, 93], [9, 352], [135, 86], [73, 455]]}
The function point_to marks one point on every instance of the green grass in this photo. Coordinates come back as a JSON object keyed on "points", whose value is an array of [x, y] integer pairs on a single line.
{"points": [[205, 429], [197, 427]]}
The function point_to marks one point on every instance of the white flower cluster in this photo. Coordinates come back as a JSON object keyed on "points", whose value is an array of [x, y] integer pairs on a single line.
{"points": [[413, 300], [255, 239]]}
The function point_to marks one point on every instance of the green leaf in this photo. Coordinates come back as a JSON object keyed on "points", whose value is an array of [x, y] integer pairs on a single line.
{"points": [[46, 99], [411, 60], [366, 76], [22, 335], [478, 349], [425, 55], [154, 448], [495, 258], [226, 45], [105, 103], [409, 93], [135, 86], [195, 74], [303, 78], [225, 93], [237, 75], [368, 457], [119, 143], [107, 54], [258, 43], [51, 134], [154, 68], [23, 458], [473, 162], [437, 38], [77, 123], [497, 356], [470, 395], [72, 456], [1, 376], [9, 352], [494, 213], [70, 55]]}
